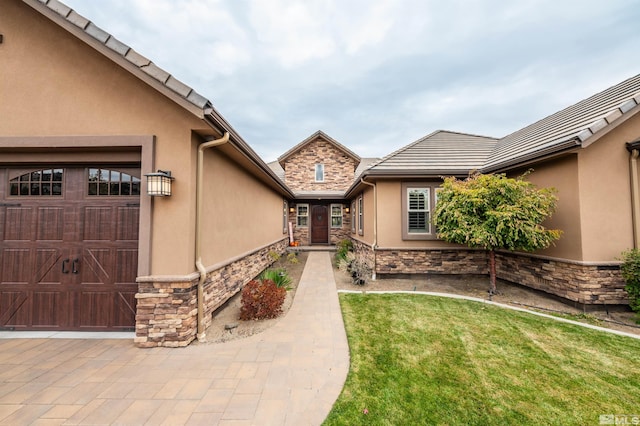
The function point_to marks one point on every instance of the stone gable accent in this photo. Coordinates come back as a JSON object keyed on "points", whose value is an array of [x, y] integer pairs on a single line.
{"points": [[339, 168], [167, 311]]}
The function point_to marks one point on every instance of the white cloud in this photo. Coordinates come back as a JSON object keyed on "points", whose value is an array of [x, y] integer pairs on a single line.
{"points": [[379, 74]]}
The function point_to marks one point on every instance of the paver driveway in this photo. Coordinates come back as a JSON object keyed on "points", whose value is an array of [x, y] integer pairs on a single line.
{"points": [[289, 374]]}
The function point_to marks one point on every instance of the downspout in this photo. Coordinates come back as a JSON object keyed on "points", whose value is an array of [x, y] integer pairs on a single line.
{"points": [[635, 197], [198, 249], [375, 224]]}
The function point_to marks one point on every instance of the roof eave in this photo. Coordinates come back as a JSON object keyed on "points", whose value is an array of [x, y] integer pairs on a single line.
{"points": [[534, 157], [404, 174], [121, 59], [220, 125]]}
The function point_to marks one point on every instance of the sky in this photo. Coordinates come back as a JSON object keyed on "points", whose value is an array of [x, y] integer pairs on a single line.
{"points": [[376, 75]]}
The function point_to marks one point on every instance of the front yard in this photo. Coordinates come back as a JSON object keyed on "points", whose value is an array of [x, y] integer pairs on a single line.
{"points": [[419, 359]]}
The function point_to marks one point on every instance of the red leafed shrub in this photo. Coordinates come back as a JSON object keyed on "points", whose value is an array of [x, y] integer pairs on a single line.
{"points": [[261, 299]]}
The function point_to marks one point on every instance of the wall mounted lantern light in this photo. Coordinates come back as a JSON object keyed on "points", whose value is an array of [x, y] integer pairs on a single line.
{"points": [[346, 209], [292, 209], [159, 183]]}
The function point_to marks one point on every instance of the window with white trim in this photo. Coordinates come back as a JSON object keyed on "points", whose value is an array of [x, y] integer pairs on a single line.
{"points": [[418, 211], [418, 202], [353, 217], [285, 217], [319, 172], [302, 215], [336, 215], [360, 216]]}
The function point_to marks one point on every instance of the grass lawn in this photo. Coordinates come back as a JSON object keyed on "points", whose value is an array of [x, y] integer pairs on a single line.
{"points": [[419, 359]]}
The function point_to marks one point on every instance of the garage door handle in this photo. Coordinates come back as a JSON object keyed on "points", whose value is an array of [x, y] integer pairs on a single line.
{"points": [[74, 266], [64, 270]]}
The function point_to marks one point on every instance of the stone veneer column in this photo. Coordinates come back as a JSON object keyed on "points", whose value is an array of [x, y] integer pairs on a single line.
{"points": [[166, 313]]}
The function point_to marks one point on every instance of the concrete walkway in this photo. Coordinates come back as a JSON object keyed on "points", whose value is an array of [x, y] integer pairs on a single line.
{"points": [[290, 374]]}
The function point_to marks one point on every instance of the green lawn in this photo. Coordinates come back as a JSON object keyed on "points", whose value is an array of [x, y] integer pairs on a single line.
{"points": [[419, 359]]}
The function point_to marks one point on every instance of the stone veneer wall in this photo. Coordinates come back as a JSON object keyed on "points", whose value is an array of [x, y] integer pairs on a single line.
{"points": [[425, 261], [339, 168], [167, 311], [301, 234], [365, 250], [586, 284]]}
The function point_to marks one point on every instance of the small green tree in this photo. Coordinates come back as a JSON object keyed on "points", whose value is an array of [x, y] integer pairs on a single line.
{"points": [[495, 212], [630, 270]]}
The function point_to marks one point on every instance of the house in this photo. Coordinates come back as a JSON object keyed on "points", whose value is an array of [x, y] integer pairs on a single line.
{"points": [[588, 152], [83, 246], [88, 241], [319, 170]]}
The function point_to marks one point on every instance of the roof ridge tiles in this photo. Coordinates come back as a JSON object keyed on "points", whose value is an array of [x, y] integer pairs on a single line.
{"points": [[127, 53]]}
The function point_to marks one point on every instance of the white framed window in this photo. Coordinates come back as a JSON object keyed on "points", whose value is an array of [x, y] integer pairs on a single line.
{"points": [[418, 211], [302, 215], [418, 201], [336, 215], [353, 217], [285, 217], [360, 215], [319, 172]]}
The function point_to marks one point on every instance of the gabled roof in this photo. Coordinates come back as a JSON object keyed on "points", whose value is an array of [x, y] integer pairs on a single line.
{"points": [[567, 129], [156, 77], [441, 152], [120, 49], [313, 137]]}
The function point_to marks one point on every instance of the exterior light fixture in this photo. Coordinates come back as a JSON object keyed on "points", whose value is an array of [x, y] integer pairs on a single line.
{"points": [[159, 183], [292, 209], [346, 209]]}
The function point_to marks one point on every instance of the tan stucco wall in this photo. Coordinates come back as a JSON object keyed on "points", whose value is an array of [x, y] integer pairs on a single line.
{"points": [[562, 174], [605, 194], [390, 219], [240, 213], [53, 84], [367, 235]]}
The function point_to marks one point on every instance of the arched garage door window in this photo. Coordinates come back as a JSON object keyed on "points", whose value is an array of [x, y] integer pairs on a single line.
{"points": [[112, 182], [47, 182]]}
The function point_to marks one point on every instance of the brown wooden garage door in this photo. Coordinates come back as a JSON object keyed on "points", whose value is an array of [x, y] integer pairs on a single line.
{"points": [[69, 248]]}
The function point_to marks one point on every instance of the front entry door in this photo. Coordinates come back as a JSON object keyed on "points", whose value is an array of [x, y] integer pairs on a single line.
{"points": [[319, 225]]}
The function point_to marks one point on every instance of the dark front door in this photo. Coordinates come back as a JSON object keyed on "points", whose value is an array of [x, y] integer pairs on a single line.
{"points": [[319, 225], [69, 249]]}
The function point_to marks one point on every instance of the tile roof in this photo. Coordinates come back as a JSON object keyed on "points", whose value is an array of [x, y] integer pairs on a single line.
{"points": [[122, 50], [441, 152], [277, 169], [566, 129], [152, 74]]}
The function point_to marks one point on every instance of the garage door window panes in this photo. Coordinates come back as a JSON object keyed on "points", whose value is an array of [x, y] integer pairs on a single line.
{"points": [[112, 182], [45, 182]]}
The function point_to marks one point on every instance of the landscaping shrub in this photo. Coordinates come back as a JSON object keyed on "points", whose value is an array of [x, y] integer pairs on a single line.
{"points": [[261, 299], [630, 270], [279, 276], [342, 248], [356, 266]]}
